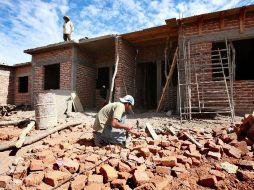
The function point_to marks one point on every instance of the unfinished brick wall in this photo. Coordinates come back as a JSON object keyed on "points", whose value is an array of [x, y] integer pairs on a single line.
{"points": [[23, 98], [7, 85], [126, 69], [62, 56], [243, 94], [86, 78]]}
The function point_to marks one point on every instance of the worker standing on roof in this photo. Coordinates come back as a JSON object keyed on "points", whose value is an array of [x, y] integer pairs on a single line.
{"points": [[109, 125], [68, 28]]}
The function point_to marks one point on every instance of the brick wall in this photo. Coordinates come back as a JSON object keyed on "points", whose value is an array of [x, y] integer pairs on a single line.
{"points": [[7, 85], [86, 78], [243, 93], [126, 69], [23, 98], [61, 56]]}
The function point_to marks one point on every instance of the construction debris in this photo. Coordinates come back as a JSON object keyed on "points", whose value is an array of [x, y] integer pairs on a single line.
{"points": [[68, 159], [7, 110]]}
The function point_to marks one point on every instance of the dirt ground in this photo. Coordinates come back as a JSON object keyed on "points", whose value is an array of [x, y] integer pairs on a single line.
{"points": [[77, 141]]}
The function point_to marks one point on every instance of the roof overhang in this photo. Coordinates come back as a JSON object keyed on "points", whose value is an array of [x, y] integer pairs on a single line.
{"points": [[50, 47], [98, 45]]}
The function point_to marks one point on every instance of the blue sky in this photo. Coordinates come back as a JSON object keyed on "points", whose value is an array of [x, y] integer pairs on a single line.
{"points": [[26, 24]]}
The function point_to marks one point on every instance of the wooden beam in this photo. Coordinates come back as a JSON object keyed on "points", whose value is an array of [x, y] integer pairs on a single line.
{"points": [[222, 23], [242, 19], [169, 77]]}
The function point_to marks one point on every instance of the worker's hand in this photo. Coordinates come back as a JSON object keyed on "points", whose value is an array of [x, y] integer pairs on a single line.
{"points": [[129, 128]]}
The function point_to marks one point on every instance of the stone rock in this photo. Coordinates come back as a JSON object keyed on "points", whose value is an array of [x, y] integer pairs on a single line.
{"points": [[34, 179], [229, 168], [109, 173]]}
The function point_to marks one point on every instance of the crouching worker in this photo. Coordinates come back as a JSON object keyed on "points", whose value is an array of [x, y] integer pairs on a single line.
{"points": [[109, 125]]}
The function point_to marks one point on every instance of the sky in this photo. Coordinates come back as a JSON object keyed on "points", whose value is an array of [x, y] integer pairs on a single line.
{"points": [[26, 24]]}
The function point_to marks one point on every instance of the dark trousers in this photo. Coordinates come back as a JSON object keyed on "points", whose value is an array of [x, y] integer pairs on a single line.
{"points": [[67, 37]]}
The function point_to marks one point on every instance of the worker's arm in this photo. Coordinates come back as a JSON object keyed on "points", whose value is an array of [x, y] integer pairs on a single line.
{"points": [[116, 124]]}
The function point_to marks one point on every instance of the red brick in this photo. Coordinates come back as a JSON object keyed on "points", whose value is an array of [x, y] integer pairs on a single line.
{"points": [[122, 167], [192, 148], [140, 177], [53, 178], [109, 173], [34, 179], [79, 182], [246, 164], [95, 179], [163, 170], [71, 165], [208, 181], [4, 181], [232, 151], [87, 166], [161, 183], [245, 175], [193, 154], [46, 156], [195, 161], [165, 153], [124, 175], [118, 183], [212, 146], [242, 146], [92, 158], [36, 165], [169, 161], [219, 175], [145, 152], [154, 149], [94, 186]]}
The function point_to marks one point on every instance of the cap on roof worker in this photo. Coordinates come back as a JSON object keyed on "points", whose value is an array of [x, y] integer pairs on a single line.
{"points": [[109, 125], [68, 28]]}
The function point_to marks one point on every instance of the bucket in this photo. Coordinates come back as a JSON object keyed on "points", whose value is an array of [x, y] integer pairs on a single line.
{"points": [[45, 110]]}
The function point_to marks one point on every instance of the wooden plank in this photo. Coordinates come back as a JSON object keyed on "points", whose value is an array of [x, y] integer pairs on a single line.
{"points": [[76, 102], [22, 136], [170, 75], [151, 131]]}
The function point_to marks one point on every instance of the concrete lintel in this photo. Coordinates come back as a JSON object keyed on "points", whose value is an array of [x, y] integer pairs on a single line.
{"points": [[221, 36]]}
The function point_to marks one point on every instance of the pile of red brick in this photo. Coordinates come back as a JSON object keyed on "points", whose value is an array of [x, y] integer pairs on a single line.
{"points": [[167, 163]]}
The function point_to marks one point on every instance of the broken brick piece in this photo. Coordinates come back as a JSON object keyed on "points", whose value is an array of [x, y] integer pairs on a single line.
{"points": [[212, 146], [36, 165], [94, 186], [245, 175], [232, 151], [95, 179], [208, 181], [109, 173], [193, 154], [87, 166], [214, 155], [4, 181], [79, 182], [124, 175], [53, 178], [140, 177], [71, 165], [219, 175], [163, 170], [118, 183], [154, 149], [122, 167], [34, 179], [169, 161], [246, 164], [145, 152]]}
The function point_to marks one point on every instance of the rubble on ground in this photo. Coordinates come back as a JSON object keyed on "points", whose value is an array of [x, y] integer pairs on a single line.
{"points": [[68, 159]]}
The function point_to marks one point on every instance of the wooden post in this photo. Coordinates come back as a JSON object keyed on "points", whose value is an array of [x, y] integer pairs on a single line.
{"points": [[116, 67], [169, 77]]}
